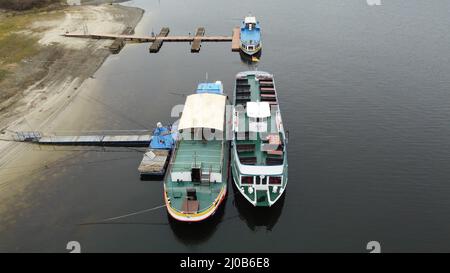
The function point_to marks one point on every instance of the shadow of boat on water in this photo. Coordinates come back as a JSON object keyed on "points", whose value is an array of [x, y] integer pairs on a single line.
{"points": [[197, 233], [253, 60], [258, 217]]}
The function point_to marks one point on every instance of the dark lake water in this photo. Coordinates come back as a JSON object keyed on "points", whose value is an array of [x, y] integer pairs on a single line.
{"points": [[365, 94]]}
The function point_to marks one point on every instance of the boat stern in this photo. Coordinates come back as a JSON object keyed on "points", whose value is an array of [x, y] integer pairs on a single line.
{"points": [[190, 214]]}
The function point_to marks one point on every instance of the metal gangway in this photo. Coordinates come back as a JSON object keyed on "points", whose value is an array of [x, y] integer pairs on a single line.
{"points": [[122, 140]]}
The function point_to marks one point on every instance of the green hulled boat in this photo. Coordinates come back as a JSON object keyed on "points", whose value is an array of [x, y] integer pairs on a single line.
{"points": [[258, 155], [196, 183]]}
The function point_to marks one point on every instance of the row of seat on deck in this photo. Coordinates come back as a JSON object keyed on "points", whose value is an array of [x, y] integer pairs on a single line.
{"points": [[243, 93], [267, 91], [266, 88], [271, 159]]}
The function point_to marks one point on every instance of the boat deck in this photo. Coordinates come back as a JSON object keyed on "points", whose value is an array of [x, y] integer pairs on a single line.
{"points": [[264, 147], [206, 193], [206, 154]]}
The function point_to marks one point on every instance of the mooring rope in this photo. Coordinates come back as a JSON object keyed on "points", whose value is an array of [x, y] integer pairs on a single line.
{"points": [[105, 221], [129, 214]]}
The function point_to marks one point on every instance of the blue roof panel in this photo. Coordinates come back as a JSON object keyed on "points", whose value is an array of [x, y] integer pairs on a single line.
{"points": [[212, 88]]}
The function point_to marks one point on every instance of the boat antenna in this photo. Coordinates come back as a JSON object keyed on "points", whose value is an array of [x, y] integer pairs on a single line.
{"points": [[206, 76]]}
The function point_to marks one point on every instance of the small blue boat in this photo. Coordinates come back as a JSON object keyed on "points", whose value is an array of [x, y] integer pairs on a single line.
{"points": [[250, 36], [157, 156]]}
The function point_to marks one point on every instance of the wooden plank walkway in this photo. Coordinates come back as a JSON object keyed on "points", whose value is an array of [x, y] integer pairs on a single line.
{"points": [[197, 43], [236, 40], [157, 44]]}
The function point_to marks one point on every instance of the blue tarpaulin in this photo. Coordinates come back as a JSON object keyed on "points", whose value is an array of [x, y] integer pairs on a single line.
{"points": [[162, 138]]}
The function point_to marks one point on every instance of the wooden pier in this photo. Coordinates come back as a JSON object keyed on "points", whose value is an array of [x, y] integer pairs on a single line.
{"points": [[158, 40], [236, 40]]}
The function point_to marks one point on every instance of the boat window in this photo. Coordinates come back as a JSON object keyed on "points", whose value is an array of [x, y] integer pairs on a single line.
{"points": [[258, 180], [275, 180], [247, 180], [264, 181]]}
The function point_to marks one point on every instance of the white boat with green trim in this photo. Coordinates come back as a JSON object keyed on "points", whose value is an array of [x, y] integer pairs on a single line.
{"points": [[259, 154]]}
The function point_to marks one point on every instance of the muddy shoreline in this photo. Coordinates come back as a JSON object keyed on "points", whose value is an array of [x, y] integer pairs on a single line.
{"points": [[60, 62]]}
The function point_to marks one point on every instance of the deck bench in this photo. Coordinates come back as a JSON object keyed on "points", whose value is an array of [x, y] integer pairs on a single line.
{"points": [[245, 148]]}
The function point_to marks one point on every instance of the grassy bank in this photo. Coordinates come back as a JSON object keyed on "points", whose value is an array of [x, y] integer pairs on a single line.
{"points": [[3, 74], [26, 4], [18, 39]]}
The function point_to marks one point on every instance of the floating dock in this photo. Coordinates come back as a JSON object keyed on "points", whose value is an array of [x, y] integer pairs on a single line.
{"points": [[158, 40], [197, 43], [119, 43], [89, 140], [157, 44], [154, 163]]}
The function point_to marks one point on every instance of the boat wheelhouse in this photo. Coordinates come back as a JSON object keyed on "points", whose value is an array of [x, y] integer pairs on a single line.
{"points": [[250, 36], [196, 183], [258, 155]]}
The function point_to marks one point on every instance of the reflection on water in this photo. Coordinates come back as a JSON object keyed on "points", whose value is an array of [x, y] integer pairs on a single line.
{"points": [[258, 217], [196, 233], [251, 61]]}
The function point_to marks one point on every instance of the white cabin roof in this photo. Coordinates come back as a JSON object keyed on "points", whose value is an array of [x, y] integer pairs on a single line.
{"points": [[260, 109], [203, 111], [250, 20]]}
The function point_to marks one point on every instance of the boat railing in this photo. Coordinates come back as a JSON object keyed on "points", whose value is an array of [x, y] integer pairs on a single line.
{"points": [[221, 156], [174, 155]]}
